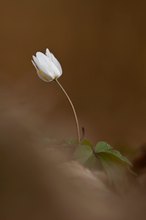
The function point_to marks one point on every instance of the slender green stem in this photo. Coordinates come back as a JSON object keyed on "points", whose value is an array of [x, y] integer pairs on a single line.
{"points": [[73, 108]]}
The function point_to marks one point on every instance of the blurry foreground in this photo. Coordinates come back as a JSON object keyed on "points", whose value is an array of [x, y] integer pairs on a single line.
{"points": [[40, 181]]}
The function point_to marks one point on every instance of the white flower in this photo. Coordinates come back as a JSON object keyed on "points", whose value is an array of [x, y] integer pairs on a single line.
{"points": [[47, 66]]}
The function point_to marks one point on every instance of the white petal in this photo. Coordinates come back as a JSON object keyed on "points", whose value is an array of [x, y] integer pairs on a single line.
{"points": [[44, 64], [48, 53], [43, 59], [56, 71], [37, 63], [54, 60], [34, 64], [55, 67], [42, 56], [35, 60], [44, 76]]}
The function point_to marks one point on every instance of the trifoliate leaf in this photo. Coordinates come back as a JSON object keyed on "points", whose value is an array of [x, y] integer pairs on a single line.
{"points": [[103, 148], [83, 153], [86, 156]]}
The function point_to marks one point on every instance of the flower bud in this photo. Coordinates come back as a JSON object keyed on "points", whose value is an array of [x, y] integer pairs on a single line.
{"points": [[47, 66]]}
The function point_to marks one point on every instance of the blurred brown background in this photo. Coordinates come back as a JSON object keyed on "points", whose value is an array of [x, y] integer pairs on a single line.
{"points": [[101, 46]]}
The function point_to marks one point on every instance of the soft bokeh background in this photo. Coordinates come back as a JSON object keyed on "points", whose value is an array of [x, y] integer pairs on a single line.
{"points": [[101, 46]]}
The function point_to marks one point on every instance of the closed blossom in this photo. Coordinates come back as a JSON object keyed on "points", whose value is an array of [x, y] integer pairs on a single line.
{"points": [[47, 66]]}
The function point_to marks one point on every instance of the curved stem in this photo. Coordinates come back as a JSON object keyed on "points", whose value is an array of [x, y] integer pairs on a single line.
{"points": [[73, 108]]}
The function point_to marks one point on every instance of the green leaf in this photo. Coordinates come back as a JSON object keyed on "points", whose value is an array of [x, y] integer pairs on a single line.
{"points": [[103, 149], [86, 142], [83, 153]]}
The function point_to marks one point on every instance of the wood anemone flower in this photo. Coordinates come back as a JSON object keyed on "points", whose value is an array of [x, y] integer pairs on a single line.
{"points": [[48, 69], [47, 66]]}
